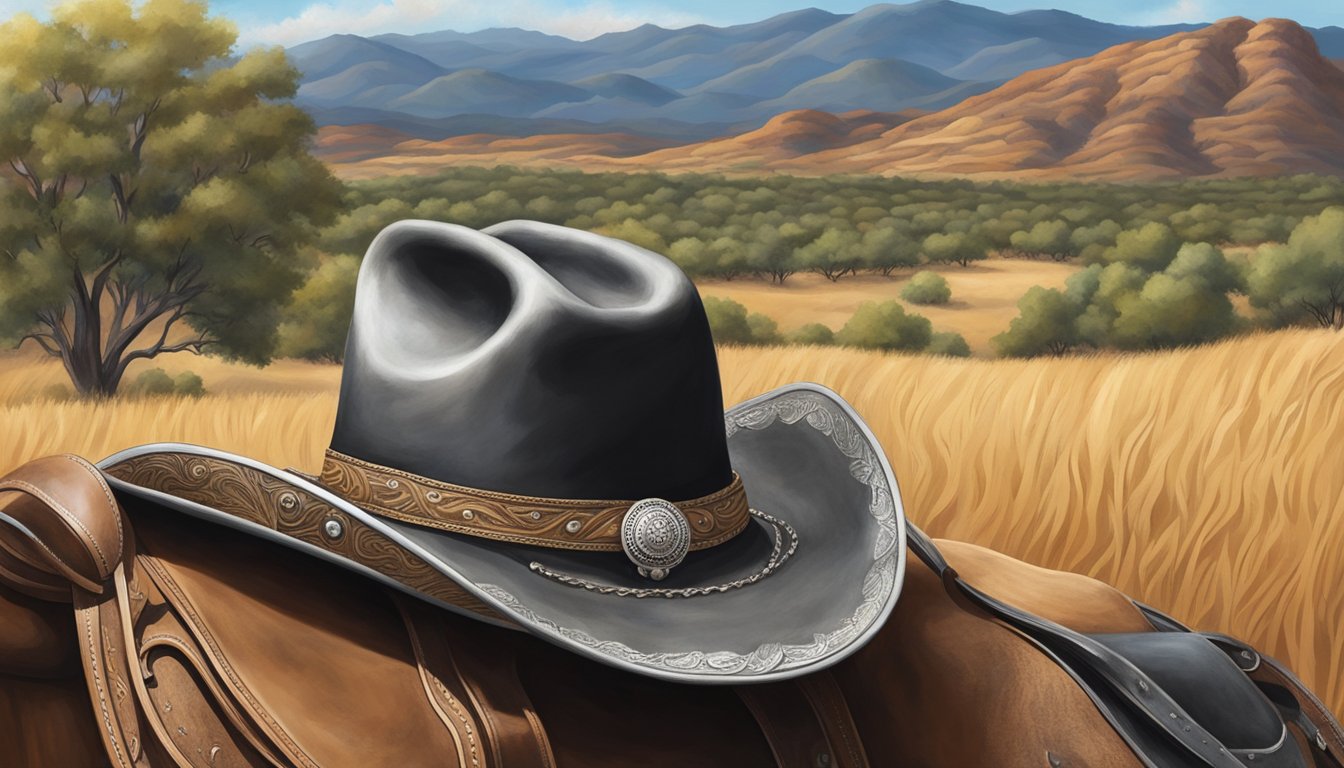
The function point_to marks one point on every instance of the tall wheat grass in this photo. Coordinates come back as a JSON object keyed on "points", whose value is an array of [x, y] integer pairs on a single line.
{"points": [[1207, 482]]}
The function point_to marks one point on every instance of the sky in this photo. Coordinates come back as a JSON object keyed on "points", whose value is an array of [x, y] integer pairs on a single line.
{"points": [[288, 22]]}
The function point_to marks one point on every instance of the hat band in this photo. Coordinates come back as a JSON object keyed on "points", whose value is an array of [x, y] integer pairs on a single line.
{"points": [[578, 524]]}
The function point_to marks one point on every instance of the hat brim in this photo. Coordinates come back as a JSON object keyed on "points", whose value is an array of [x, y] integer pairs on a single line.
{"points": [[804, 457]]}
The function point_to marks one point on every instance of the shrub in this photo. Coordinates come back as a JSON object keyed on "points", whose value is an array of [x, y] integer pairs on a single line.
{"points": [[188, 384], [885, 326], [157, 383], [153, 382], [763, 329], [730, 324], [949, 344], [813, 333], [927, 288]]}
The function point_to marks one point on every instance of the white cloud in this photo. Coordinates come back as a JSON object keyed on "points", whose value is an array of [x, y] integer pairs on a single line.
{"points": [[1178, 12], [412, 16]]}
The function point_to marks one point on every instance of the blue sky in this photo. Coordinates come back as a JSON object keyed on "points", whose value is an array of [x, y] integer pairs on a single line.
{"points": [[292, 21]]}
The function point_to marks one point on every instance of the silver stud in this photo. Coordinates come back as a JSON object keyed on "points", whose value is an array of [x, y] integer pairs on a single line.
{"points": [[468, 514], [393, 483], [433, 496], [289, 500], [655, 536], [572, 526], [333, 529], [536, 515]]}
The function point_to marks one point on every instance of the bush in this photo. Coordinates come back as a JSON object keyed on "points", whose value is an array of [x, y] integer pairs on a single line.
{"points": [[153, 382], [157, 383], [813, 333], [729, 323], [949, 344], [885, 326], [188, 384], [927, 288]]}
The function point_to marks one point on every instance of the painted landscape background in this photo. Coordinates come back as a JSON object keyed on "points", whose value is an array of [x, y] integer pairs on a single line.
{"points": [[1085, 280]]}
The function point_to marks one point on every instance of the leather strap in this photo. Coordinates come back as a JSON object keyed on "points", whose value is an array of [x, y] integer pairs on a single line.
{"points": [[579, 524], [806, 722], [489, 673], [442, 687]]}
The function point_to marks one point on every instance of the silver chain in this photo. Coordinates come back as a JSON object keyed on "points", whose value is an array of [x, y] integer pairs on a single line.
{"points": [[778, 556]]}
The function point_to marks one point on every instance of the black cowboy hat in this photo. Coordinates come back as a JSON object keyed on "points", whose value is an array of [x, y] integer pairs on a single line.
{"points": [[531, 431]]}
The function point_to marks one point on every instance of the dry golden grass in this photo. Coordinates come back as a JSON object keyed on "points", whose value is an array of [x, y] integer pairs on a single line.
{"points": [[1207, 482], [984, 296]]}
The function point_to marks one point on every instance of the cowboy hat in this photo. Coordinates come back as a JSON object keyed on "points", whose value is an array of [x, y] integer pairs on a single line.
{"points": [[531, 431]]}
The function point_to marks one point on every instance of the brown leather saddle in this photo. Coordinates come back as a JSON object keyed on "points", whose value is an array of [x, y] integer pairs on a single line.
{"points": [[134, 635]]}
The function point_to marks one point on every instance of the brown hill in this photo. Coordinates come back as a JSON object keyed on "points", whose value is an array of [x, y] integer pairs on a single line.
{"points": [[1236, 98], [785, 137]]}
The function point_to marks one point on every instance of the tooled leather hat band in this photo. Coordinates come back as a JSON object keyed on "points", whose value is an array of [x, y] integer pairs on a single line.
{"points": [[577, 524]]}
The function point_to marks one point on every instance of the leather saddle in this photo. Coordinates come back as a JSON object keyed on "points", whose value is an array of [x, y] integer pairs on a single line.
{"points": [[134, 635]]}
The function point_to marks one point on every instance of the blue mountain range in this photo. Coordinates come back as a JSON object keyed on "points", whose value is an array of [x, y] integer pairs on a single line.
{"points": [[698, 81]]}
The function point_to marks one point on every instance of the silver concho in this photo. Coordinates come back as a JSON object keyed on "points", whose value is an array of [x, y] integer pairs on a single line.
{"points": [[655, 536]]}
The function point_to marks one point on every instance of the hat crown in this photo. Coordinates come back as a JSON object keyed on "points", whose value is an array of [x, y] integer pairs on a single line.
{"points": [[532, 359]]}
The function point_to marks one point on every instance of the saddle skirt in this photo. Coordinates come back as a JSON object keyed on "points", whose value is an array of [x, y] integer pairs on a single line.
{"points": [[197, 645]]}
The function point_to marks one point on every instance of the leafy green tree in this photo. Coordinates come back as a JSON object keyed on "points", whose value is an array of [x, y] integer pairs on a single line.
{"points": [[814, 334], [957, 247], [948, 344], [1303, 279], [1046, 323], [159, 189], [727, 321], [833, 254], [885, 249], [1150, 247], [1047, 238], [885, 326], [318, 316], [927, 288]]}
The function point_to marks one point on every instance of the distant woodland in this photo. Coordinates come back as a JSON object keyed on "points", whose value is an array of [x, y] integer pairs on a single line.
{"points": [[1160, 264]]}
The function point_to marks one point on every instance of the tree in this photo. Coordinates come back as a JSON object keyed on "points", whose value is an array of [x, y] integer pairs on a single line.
{"points": [[1150, 247], [727, 321], [927, 288], [833, 254], [1047, 238], [886, 249], [959, 247], [885, 326], [1303, 279], [155, 191], [1046, 323], [318, 316]]}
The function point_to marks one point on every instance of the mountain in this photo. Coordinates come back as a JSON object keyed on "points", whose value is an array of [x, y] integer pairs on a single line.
{"points": [[480, 91], [1233, 99], [739, 74], [883, 85]]}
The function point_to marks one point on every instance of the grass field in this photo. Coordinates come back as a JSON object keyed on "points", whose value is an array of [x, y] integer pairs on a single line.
{"points": [[984, 296], [1207, 482]]}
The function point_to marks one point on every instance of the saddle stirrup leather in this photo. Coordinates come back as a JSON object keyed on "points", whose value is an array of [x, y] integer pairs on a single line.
{"points": [[1118, 673]]}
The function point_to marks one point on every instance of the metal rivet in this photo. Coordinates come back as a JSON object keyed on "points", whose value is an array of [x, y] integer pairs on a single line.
{"points": [[289, 500], [468, 514], [823, 760], [393, 483], [333, 529], [433, 496], [1250, 757], [536, 515], [572, 526]]}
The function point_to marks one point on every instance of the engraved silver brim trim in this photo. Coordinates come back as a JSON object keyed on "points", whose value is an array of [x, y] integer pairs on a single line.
{"points": [[810, 404]]}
